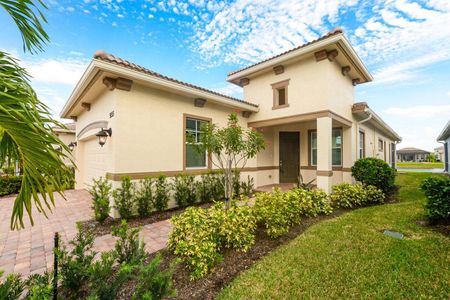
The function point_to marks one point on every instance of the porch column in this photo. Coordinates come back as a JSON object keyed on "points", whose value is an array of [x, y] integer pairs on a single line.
{"points": [[350, 151], [324, 163]]}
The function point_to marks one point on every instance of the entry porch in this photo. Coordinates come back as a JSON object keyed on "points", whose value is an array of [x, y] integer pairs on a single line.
{"points": [[319, 147]]}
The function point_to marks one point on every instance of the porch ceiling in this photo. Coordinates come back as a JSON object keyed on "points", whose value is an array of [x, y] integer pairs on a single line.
{"points": [[301, 118]]}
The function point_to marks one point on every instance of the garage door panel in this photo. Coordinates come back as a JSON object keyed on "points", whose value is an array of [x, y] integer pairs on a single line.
{"points": [[94, 161]]}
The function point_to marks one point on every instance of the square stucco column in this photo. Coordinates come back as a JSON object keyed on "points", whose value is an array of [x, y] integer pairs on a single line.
{"points": [[349, 151], [324, 163]]}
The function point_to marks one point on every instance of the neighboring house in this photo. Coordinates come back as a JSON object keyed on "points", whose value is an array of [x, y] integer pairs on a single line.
{"points": [[302, 101], [444, 137], [439, 153], [67, 136], [412, 154]]}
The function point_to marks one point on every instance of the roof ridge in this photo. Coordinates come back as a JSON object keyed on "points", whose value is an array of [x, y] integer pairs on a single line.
{"points": [[335, 31], [108, 57]]}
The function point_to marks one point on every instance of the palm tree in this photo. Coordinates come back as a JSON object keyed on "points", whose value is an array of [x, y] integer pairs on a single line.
{"points": [[25, 122]]}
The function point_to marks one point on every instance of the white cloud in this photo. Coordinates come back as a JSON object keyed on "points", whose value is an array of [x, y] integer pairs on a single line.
{"points": [[229, 89], [60, 71], [420, 111]]}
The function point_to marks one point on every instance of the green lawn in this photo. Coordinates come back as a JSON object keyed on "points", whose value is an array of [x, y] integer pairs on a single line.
{"points": [[421, 165], [349, 257]]}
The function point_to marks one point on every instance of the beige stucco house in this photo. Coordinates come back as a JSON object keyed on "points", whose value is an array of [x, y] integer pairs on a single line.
{"points": [[302, 101], [444, 137], [68, 137]]}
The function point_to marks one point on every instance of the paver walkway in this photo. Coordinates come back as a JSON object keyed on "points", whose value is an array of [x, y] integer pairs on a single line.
{"points": [[30, 250]]}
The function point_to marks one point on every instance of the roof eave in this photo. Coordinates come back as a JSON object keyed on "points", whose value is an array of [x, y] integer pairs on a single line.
{"points": [[365, 109], [338, 38], [445, 133]]}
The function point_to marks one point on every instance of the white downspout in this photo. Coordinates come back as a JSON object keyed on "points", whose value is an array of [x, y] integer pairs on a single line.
{"points": [[357, 130]]}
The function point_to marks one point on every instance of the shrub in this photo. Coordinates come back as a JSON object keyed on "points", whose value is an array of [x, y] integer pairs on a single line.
{"points": [[105, 282], [40, 287], [373, 194], [210, 187], [437, 191], [129, 248], [184, 190], [74, 265], [347, 195], [199, 234], [236, 184], [124, 198], [101, 191], [248, 186], [376, 172], [12, 287], [276, 212], [153, 284], [10, 185], [144, 197], [311, 202], [162, 193]]}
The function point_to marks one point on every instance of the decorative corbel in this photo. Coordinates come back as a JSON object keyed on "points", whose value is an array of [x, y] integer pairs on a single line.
{"points": [[278, 69], [320, 55], [244, 81], [246, 114], [124, 84], [86, 106], [331, 55], [110, 83], [199, 102], [345, 70], [356, 81]]}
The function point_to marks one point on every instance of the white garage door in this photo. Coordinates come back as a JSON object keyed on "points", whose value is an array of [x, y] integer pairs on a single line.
{"points": [[94, 163]]}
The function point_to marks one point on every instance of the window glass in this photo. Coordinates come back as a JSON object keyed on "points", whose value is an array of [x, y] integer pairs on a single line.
{"points": [[313, 138], [361, 144], [336, 151], [282, 96], [194, 159]]}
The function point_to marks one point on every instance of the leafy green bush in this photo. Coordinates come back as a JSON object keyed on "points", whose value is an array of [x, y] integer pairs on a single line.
{"points": [[198, 235], [129, 248], [75, 264], [376, 172], [153, 284], [101, 191], [276, 212], [311, 202], [184, 190], [12, 286], [10, 185], [236, 184], [162, 193], [210, 187], [124, 198], [104, 281], [144, 197], [247, 187], [437, 191], [347, 195], [40, 287]]}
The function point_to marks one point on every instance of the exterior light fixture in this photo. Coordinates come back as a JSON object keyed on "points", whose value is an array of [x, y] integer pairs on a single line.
{"points": [[103, 136], [72, 145]]}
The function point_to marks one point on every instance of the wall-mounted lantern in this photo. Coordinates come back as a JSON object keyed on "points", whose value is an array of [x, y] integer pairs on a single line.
{"points": [[72, 145], [103, 135]]}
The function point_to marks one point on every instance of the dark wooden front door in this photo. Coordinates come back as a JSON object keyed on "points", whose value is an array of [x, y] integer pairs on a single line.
{"points": [[289, 156]]}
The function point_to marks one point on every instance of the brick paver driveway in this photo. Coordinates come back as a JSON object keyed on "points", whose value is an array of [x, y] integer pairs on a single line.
{"points": [[30, 250]]}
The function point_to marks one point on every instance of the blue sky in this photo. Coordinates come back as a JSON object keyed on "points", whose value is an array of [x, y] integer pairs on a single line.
{"points": [[404, 43]]}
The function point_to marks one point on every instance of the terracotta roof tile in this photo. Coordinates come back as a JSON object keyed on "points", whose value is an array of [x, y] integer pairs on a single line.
{"points": [[331, 33], [102, 55]]}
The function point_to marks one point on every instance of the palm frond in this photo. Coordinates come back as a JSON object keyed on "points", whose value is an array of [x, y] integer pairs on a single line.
{"points": [[29, 19], [25, 134]]}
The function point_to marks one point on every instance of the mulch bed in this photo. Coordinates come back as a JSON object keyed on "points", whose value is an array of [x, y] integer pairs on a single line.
{"points": [[442, 227], [105, 228], [233, 264]]}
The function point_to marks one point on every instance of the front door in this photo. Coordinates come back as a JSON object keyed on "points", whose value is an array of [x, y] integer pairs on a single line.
{"points": [[289, 156]]}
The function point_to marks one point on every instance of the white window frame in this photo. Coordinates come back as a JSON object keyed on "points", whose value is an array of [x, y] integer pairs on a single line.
{"points": [[196, 131]]}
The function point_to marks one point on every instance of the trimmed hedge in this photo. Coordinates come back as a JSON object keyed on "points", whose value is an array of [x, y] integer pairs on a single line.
{"points": [[10, 185], [376, 172], [437, 191], [347, 195]]}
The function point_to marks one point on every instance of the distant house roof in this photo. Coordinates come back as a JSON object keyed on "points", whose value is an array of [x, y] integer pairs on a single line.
{"points": [[410, 150], [363, 109], [102, 55], [335, 37], [445, 133]]}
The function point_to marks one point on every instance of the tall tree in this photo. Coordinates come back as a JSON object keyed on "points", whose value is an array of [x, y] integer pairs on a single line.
{"points": [[25, 122]]}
